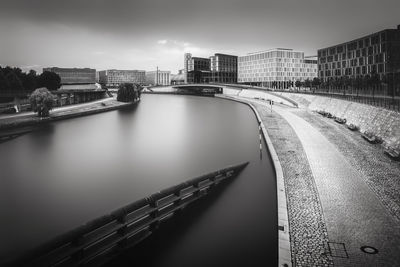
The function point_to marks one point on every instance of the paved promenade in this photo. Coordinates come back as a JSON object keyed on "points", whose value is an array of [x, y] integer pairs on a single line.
{"points": [[336, 203]]}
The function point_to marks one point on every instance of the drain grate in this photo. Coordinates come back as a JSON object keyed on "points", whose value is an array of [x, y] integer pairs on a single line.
{"points": [[337, 250], [369, 250]]}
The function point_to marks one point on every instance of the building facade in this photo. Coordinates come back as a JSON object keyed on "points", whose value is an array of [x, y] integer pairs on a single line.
{"points": [[113, 78], [377, 53], [220, 68], [224, 68], [158, 77], [276, 68], [74, 75]]}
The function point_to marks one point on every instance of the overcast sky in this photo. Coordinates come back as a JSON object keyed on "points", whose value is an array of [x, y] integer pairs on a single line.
{"points": [[131, 34]]}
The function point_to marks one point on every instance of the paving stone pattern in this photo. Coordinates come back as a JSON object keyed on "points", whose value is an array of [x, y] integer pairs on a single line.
{"points": [[380, 173], [308, 233], [353, 214]]}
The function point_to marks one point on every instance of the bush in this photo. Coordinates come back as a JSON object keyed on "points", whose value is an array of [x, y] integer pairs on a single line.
{"points": [[128, 92], [41, 101]]}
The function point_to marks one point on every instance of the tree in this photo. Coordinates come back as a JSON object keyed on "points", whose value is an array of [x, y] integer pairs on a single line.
{"points": [[30, 81], [4, 84], [50, 80], [14, 81], [316, 82], [41, 101], [307, 83], [128, 92], [297, 84]]}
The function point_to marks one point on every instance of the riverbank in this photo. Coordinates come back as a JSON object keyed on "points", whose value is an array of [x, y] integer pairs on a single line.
{"points": [[342, 192], [14, 123]]}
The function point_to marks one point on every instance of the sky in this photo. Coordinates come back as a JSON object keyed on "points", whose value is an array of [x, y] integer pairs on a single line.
{"points": [[131, 34]]}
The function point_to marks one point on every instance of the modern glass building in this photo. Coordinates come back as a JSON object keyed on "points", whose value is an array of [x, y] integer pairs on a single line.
{"points": [[113, 78], [377, 53], [223, 68], [220, 68], [276, 68]]}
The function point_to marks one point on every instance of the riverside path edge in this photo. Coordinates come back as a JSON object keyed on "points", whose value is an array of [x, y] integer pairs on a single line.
{"points": [[284, 249]]}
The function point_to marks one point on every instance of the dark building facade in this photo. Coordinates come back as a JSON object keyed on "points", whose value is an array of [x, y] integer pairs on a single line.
{"points": [[224, 68], [377, 53], [74, 75], [219, 68]]}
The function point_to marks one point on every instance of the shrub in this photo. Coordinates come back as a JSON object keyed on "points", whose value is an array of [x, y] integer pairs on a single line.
{"points": [[41, 101]]}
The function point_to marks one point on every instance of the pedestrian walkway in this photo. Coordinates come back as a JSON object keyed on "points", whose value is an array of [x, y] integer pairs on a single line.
{"points": [[63, 108], [353, 215]]}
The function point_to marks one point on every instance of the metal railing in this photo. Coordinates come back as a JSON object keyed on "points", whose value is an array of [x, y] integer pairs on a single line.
{"points": [[125, 227], [387, 102]]}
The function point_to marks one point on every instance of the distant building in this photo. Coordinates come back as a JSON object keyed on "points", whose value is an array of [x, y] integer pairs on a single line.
{"points": [[178, 78], [113, 78], [158, 77], [224, 68], [377, 53], [276, 68], [219, 68], [75, 78]]}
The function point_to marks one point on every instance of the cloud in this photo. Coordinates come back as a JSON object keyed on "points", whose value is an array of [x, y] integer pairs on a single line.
{"points": [[162, 42]]}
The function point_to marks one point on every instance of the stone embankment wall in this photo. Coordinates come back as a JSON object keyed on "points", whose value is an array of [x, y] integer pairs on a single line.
{"points": [[381, 122]]}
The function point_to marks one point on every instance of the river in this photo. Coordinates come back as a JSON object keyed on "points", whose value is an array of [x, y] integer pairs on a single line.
{"points": [[69, 172]]}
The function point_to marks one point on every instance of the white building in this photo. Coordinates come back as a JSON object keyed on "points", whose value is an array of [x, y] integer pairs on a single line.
{"points": [[158, 77], [276, 68], [113, 78]]}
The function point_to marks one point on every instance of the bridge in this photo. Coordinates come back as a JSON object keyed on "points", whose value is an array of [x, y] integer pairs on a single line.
{"points": [[99, 240], [199, 88]]}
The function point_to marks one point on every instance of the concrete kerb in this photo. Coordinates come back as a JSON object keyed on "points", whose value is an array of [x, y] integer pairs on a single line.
{"points": [[284, 250]]}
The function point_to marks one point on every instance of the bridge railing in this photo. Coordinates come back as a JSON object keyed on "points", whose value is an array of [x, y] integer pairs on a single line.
{"points": [[124, 227]]}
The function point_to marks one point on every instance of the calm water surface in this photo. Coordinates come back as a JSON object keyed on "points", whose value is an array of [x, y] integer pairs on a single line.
{"points": [[72, 171]]}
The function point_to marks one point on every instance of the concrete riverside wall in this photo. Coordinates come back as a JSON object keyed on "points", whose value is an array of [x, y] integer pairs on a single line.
{"points": [[249, 93], [381, 122]]}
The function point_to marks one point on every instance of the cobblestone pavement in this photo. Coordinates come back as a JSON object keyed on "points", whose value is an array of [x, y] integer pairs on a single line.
{"points": [[380, 173], [353, 201], [308, 233]]}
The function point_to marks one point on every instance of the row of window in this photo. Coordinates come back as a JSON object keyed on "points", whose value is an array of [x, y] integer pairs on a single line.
{"points": [[279, 74], [272, 54], [357, 44], [282, 65], [372, 50], [377, 59], [273, 79], [380, 68], [274, 60], [271, 70]]}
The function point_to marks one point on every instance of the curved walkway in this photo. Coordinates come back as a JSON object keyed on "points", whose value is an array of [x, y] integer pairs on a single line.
{"points": [[351, 213]]}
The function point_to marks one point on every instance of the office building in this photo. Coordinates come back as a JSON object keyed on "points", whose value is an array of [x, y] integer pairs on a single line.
{"points": [[75, 78], [158, 77], [113, 78], [377, 53], [219, 68], [276, 68], [224, 68]]}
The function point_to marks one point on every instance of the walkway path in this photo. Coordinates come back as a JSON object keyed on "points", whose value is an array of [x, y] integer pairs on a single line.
{"points": [[68, 107], [352, 213]]}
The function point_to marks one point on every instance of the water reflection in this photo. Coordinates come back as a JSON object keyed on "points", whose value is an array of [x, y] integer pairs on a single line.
{"points": [[72, 171]]}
